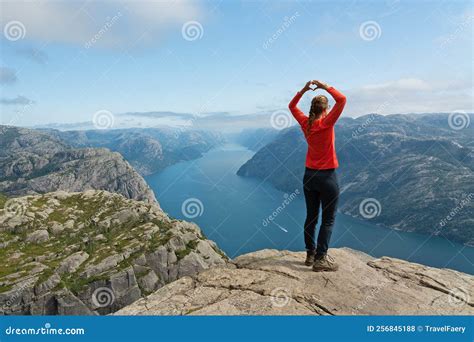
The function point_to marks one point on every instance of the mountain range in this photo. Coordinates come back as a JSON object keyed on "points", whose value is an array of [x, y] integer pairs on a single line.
{"points": [[35, 162], [415, 172], [148, 150]]}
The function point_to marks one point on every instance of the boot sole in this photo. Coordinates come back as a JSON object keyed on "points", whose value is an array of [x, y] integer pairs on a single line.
{"points": [[324, 269]]}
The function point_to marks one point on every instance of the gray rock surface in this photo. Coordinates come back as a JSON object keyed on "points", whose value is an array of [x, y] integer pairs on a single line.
{"points": [[34, 162], [88, 267], [271, 282], [38, 236]]}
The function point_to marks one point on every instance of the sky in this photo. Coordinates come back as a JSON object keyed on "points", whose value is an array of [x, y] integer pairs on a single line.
{"points": [[64, 61]]}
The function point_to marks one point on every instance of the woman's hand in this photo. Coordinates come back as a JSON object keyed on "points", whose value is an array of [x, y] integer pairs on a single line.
{"points": [[320, 85], [306, 87]]}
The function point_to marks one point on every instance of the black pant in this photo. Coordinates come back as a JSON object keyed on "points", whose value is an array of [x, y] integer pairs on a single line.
{"points": [[320, 188]]}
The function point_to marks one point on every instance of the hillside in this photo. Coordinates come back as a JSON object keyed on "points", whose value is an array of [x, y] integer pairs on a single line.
{"points": [[148, 150], [92, 252], [418, 169], [35, 162]]}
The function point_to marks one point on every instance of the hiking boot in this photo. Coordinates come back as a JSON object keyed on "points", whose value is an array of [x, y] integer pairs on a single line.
{"points": [[309, 258], [324, 263]]}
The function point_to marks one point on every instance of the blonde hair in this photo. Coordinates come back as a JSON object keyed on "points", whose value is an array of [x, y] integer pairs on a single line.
{"points": [[318, 105]]}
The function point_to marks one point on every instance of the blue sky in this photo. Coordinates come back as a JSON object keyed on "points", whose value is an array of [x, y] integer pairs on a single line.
{"points": [[248, 56]]}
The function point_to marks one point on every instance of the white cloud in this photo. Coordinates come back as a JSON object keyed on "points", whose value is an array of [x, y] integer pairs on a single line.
{"points": [[77, 22], [410, 95], [19, 100]]}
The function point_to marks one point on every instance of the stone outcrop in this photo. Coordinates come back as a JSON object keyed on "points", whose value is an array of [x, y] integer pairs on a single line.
{"points": [[92, 252], [270, 282], [35, 162]]}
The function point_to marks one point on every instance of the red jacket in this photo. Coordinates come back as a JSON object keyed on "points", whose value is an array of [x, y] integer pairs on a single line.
{"points": [[321, 154]]}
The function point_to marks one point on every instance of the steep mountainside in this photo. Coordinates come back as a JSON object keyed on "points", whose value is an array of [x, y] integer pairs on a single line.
{"points": [[149, 150], [255, 139], [33, 162], [271, 282], [92, 252], [414, 172]]}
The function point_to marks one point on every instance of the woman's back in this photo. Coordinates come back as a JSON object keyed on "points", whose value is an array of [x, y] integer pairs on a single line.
{"points": [[321, 154]]}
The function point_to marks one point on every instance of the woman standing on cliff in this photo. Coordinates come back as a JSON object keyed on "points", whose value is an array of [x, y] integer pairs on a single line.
{"points": [[320, 182]]}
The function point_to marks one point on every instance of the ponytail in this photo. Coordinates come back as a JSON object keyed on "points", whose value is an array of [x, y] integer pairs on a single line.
{"points": [[318, 105]]}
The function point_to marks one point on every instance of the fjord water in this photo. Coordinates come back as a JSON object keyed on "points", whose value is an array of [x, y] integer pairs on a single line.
{"points": [[232, 211]]}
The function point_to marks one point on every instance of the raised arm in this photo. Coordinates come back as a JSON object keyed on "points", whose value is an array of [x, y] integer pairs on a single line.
{"points": [[293, 105], [336, 111]]}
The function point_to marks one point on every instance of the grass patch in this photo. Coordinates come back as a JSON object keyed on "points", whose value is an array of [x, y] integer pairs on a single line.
{"points": [[5, 288], [3, 200], [190, 246], [221, 253]]}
